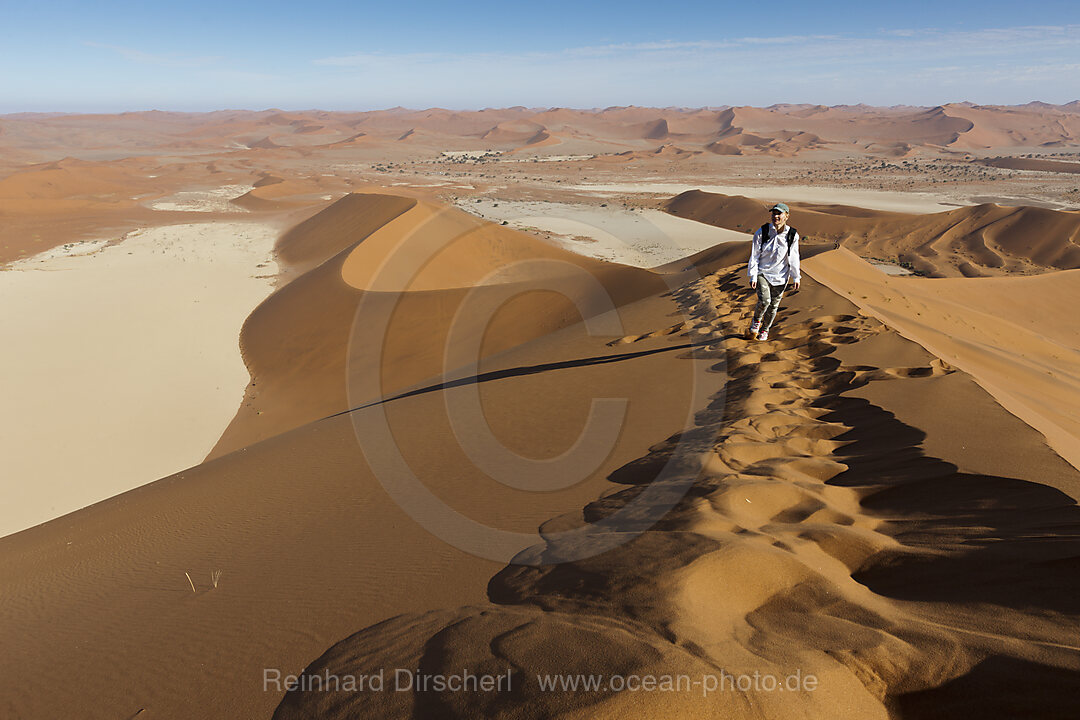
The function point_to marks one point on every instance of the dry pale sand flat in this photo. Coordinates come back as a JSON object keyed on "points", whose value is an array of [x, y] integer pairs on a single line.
{"points": [[126, 365], [1018, 337], [909, 202], [642, 238], [205, 201]]}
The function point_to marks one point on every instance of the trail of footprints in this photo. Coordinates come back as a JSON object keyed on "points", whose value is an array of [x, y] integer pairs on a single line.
{"points": [[751, 564], [783, 532], [775, 454], [656, 333]]}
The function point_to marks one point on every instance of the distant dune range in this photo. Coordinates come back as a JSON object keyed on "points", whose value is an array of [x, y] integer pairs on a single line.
{"points": [[87, 173], [780, 130], [977, 241]]}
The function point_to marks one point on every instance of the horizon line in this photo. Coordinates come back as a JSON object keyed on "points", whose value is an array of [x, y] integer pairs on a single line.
{"points": [[548, 108]]}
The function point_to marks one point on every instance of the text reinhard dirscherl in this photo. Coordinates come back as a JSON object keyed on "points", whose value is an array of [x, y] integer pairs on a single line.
{"points": [[412, 680]]}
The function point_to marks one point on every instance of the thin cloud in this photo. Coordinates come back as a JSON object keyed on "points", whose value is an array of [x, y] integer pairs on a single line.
{"points": [[915, 47], [164, 60]]}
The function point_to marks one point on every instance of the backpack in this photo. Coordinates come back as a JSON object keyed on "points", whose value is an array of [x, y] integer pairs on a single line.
{"points": [[790, 233]]}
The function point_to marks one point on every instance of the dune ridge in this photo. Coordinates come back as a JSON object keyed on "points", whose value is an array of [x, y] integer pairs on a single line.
{"points": [[826, 520]]}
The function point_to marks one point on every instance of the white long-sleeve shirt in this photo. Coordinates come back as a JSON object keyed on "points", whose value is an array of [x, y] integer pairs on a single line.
{"points": [[773, 258]]}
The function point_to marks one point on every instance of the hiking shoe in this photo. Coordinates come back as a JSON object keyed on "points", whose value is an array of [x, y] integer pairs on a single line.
{"points": [[763, 335]]}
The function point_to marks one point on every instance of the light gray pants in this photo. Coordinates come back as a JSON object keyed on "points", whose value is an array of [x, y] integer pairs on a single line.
{"points": [[768, 302]]}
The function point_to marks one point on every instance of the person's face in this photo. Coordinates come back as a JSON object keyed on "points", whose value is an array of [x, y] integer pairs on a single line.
{"points": [[779, 219]]}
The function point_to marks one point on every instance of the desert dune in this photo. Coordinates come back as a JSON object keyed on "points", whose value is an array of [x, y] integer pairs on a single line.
{"points": [[426, 441]]}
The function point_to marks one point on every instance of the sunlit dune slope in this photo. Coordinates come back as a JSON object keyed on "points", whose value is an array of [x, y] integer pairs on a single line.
{"points": [[425, 271]]}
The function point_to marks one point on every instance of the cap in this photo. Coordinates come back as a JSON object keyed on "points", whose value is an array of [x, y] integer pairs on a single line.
{"points": [[781, 207]]}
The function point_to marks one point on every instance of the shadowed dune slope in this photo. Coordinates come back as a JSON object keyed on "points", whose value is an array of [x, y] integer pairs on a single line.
{"points": [[404, 277], [980, 240], [343, 224]]}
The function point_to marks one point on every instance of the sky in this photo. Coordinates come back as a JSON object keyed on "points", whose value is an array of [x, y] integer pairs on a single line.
{"points": [[110, 56]]}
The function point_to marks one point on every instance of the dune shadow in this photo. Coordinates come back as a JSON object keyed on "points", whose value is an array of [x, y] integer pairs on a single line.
{"points": [[986, 538], [518, 372], [999, 688]]}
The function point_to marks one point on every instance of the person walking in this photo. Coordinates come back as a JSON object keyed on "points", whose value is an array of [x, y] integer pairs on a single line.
{"points": [[774, 261]]}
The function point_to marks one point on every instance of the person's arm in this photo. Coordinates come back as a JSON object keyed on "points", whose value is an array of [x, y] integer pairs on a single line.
{"points": [[793, 263], [755, 250]]}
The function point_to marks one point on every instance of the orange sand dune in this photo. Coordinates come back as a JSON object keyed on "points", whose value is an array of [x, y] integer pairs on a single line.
{"points": [[893, 517], [272, 193], [1023, 126], [516, 133], [66, 184], [934, 126], [974, 241], [48, 204]]}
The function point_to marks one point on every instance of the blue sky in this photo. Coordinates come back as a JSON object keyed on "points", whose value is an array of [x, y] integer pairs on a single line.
{"points": [[113, 56]]}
